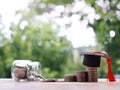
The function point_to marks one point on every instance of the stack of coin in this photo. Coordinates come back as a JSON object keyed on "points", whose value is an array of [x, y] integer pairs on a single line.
{"points": [[70, 78], [92, 74], [81, 76]]}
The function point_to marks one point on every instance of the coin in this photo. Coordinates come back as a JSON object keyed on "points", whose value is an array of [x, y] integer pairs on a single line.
{"points": [[92, 74], [81, 76], [50, 80], [20, 72], [70, 78]]}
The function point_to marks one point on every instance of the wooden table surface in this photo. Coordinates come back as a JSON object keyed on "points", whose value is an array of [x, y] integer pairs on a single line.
{"points": [[102, 84]]}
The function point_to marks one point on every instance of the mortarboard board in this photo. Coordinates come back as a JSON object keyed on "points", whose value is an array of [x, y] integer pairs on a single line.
{"points": [[92, 59]]}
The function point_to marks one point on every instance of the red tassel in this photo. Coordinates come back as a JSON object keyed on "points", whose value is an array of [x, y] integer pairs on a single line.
{"points": [[110, 77]]}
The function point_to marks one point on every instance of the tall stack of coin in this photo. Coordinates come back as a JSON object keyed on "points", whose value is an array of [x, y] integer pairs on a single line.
{"points": [[92, 74], [81, 76]]}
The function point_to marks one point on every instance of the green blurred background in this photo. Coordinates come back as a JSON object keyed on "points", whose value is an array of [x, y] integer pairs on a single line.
{"points": [[36, 40]]}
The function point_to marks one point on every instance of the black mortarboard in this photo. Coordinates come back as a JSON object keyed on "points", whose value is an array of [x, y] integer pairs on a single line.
{"points": [[92, 59]]}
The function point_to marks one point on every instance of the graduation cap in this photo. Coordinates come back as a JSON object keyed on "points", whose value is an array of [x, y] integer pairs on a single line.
{"points": [[92, 59]]}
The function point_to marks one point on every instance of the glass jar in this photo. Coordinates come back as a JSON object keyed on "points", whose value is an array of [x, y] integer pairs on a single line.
{"points": [[34, 71], [23, 70], [19, 69]]}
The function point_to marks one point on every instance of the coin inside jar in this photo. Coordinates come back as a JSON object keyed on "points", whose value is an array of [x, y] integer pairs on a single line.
{"points": [[20, 72]]}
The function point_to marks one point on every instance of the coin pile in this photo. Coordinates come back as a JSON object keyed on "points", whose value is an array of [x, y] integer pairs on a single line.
{"points": [[92, 74], [82, 76], [70, 78], [20, 72]]}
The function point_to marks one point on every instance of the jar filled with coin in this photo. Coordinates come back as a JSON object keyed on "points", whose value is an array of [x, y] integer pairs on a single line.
{"points": [[19, 69], [26, 70]]}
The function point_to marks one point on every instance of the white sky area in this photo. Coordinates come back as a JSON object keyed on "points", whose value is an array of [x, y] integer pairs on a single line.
{"points": [[8, 8], [77, 33]]}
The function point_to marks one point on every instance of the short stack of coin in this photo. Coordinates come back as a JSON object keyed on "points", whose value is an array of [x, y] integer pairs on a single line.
{"points": [[70, 78], [92, 74], [82, 76]]}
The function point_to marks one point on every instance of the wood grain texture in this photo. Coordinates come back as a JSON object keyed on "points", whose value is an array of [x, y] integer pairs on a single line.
{"points": [[102, 84]]}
